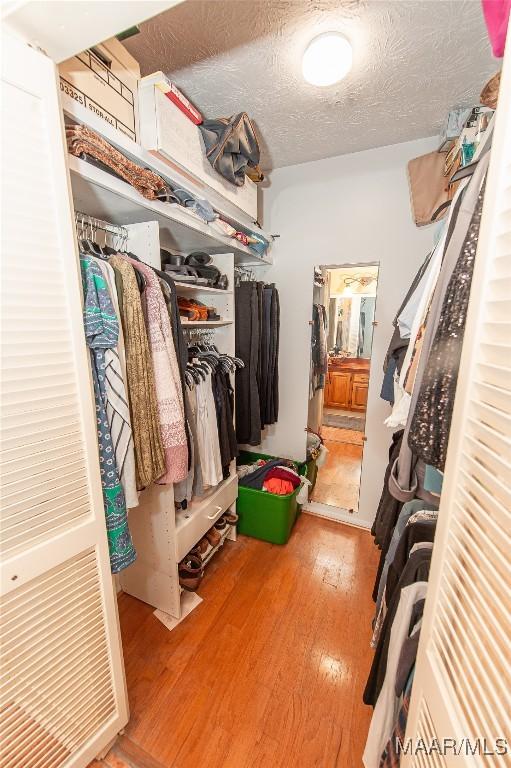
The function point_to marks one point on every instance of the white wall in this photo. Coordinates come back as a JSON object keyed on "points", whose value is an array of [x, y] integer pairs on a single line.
{"points": [[349, 209]]}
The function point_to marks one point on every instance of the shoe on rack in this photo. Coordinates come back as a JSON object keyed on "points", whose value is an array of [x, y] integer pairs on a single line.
{"points": [[190, 572], [221, 523], [214, 537], [231, 518], [203, 546], [201, 549]]}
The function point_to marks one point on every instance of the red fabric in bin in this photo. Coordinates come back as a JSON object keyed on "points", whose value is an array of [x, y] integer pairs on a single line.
{"points": [[283, 473], [278, 487]]}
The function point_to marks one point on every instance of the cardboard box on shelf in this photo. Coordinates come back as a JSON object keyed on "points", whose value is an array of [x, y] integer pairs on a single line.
{"points": [[105, 80]]}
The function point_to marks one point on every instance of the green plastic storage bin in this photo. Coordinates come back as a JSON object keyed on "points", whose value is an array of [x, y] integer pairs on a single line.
{"points": [[265, 515]]}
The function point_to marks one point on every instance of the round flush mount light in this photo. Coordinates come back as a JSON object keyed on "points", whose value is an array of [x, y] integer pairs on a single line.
{"points": [[327, 59]]}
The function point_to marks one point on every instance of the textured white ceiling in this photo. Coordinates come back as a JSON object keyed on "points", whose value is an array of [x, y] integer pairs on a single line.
{"points": [[412, 62]]}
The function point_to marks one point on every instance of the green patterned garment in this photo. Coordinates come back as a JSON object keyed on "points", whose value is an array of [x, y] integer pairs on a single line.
{"points": [[102, 333]]}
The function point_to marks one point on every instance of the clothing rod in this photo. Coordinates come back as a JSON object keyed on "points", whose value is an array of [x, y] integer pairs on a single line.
{"points": [[83, 219], [198, 331]]}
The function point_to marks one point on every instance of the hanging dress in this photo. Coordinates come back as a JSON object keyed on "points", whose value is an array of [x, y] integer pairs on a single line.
{"points": [[101, 333], [117, 410], [149, 453], [168, 387]]}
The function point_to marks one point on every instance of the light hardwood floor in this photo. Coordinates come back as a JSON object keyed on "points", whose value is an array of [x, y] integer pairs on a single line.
{"points": [[268, 671], [338, 480], [337, 435]]}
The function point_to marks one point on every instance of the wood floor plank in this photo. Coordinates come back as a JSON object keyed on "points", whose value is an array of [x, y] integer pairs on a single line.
{"points": [[268, 671], [126, 754], [338, 481]]}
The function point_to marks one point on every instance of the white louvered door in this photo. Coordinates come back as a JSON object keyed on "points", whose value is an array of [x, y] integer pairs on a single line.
{"points": [[63, 695], [462, 685]]}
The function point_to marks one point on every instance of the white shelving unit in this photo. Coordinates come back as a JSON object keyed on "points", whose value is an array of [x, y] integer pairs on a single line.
{"points": [[162, 536], [99, 193], [192, 523]]}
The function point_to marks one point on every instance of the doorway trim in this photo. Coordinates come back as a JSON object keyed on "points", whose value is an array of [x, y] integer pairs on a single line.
{"points": [[326, 510], [338, 514]]}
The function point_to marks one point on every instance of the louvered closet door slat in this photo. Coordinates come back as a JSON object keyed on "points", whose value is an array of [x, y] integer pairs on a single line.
{"points": [[462, 683], [63, 695]]}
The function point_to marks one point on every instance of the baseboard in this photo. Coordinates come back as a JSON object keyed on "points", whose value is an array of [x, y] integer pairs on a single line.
{"points": [[338, 514]]}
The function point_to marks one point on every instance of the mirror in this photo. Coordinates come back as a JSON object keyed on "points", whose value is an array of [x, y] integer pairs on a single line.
{"points": [[350, 326], [343, 319]]}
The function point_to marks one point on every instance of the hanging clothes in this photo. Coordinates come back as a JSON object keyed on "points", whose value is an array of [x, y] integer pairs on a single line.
{"points": [[224, 403], [419, 532], [117, 409], [192, 485], [257, 345], [388, 507], [387, 554], [319, 350], [198, 482], [391, 757], [149, 451], [169, 393], [416, 570], [210, 405], [272, 397], [387, 704], [248, 407], [169, 291], [207, 435], [429, 437], [407, 475], [101, 333], [399, 343], [269, 337]]}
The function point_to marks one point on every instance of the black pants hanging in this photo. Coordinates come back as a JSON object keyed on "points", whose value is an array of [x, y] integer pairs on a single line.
{"points": [[248, 415]]}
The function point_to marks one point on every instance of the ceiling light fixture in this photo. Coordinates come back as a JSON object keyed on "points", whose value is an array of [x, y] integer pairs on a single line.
{"points": [[327, 59]]}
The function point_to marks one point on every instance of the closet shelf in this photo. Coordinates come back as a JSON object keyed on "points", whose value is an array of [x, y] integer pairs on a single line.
{"points": [[191, 288], [100, 194], [103, 196], [205, 323]]}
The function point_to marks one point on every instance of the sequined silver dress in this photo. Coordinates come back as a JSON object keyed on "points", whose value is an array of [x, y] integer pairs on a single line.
{"points": [[431, 421]]}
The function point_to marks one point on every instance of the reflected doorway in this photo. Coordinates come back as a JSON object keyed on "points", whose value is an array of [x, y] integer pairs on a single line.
{"points": [[344, 304]]}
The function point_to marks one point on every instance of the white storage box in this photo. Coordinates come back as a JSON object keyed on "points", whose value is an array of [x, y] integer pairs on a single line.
{"points": [[168, 133], [105, 80]]}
